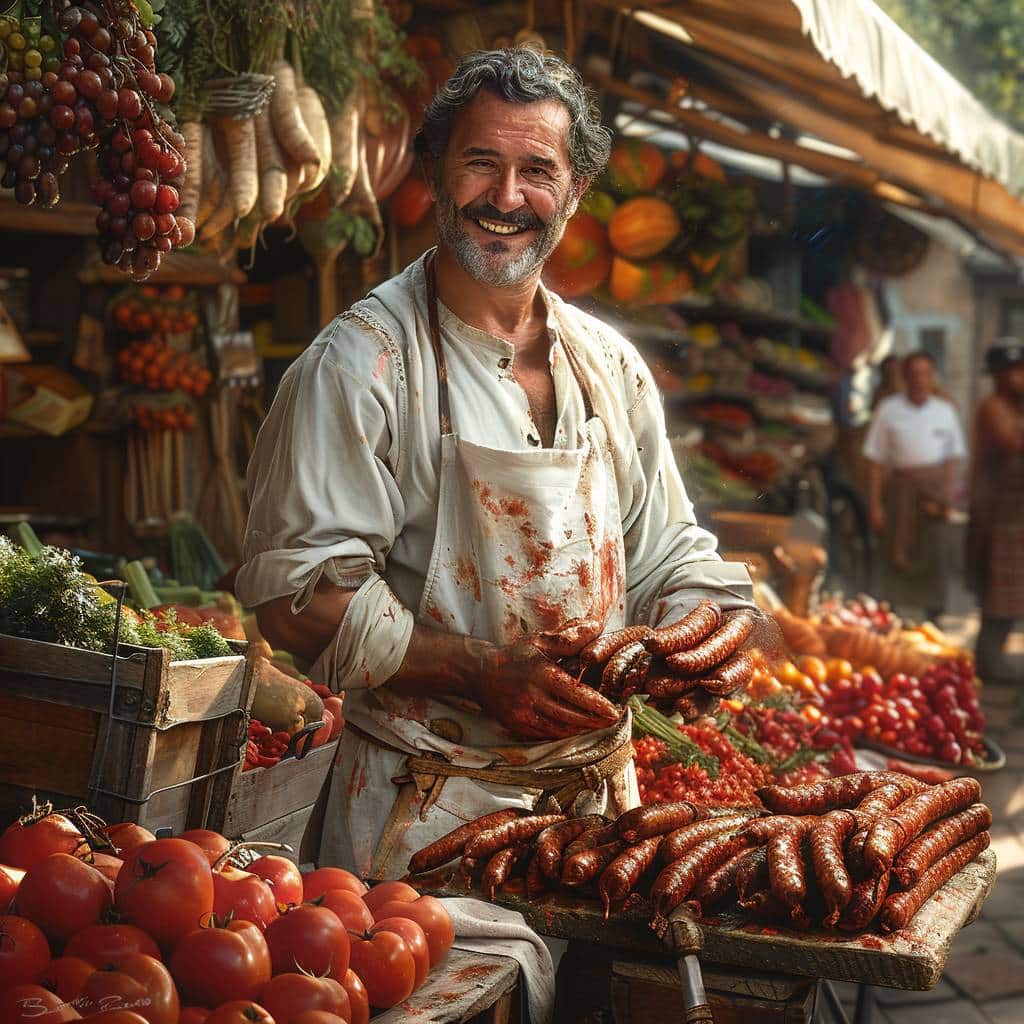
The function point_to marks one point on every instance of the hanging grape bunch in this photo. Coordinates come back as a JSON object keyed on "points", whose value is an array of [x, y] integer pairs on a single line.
{"points": [[102, 95]]}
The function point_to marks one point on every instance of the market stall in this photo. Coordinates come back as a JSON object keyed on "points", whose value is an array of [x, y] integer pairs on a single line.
{"points": [[810, 810]]}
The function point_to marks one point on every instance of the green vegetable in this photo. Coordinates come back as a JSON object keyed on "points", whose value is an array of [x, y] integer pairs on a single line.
{"points": [[27, 538], [647, 721], [138, 582]]}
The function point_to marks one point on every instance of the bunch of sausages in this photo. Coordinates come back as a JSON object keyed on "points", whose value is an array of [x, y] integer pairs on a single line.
{"points": [[842, 852], [703, 650]]}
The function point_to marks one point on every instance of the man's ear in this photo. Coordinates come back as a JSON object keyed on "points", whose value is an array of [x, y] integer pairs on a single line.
{"points": [[579, 189]]}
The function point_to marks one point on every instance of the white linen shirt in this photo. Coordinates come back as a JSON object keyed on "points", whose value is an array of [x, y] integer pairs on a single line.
{"points": [[344, 481], [903, 435]]}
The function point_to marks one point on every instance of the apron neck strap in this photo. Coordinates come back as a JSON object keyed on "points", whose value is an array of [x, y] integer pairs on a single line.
{"points": [[444, 403]]}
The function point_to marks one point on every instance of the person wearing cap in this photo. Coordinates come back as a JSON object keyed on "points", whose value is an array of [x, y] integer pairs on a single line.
{"points": [[995, 538], [914, 447]]}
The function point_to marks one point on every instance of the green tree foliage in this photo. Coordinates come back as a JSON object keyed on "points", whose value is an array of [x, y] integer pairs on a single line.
{"points": [[981, 42]]}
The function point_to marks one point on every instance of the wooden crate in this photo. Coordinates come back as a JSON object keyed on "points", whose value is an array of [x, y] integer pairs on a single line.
{"points": [[282, 804], [651, 993], [172, 722]]}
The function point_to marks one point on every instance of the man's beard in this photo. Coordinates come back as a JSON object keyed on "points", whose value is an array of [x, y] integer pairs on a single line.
{"points": [[489, 262]]}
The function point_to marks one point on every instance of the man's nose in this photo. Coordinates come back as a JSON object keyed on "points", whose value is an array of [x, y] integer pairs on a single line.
{"points": [[506, 194]]}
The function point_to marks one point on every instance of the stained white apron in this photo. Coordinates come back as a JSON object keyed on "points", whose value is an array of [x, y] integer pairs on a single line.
{"points": [[526, 541]]}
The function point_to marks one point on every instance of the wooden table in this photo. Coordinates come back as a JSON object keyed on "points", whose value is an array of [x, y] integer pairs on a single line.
{"points": [[466, 986]]}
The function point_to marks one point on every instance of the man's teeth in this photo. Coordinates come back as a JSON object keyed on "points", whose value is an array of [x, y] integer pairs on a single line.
{"points": [[499, 229]]}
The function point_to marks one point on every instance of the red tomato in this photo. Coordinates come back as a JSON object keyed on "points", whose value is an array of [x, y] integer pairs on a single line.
{"points": [[239, 1011], [213, 844], [29, 840], [67, 976], [10, 879], [310, 939], [411, 201], [138, 983], [218, 965], [283, 875], [337, 709], [318, 1017], [106, 864], [388, 892], [24, 952], [194, 1015], [62, 894], [21, 1004], [323, 734], [101, 944], [386, 967], [126, 835], [246, 897], [288, 995], [430, 915], [316, 883], [165, 886], [357, 997], [415, 938], [353, 913]]}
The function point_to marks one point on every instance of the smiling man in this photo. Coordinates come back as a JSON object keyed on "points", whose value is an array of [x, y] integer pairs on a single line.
{"points": [[464, 479]]}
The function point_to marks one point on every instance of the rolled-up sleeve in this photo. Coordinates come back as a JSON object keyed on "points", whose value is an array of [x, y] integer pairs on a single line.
{"points": [[671, 562], [323, 497]]}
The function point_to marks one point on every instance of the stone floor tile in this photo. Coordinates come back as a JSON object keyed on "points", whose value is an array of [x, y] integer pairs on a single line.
{"points": [[942, 992], [984, 976], [954, 1011], [1004, 1011], [982, 937], [1013, 927]]}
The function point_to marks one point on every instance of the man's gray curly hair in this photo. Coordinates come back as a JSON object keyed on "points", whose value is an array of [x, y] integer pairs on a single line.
{"points": [[520, 75]]}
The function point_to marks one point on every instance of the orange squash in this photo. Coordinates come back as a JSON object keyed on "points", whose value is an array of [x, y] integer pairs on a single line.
{"points": [[643, 227], [697, 163], [582, 259], [635, 166], [635, 284]]}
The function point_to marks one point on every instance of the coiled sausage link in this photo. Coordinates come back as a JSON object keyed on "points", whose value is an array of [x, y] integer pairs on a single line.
{"points": [[695, 626], [585, 866], [899, 909], [450, 846], [511, 833], [688, 836], [499, 868], [600, 650], [555, 838], [890, 834], [826, 840], [658, 819], [726, 640], [717, 885], [620, 877], [832, 794], [787, 873], [920, 854]]}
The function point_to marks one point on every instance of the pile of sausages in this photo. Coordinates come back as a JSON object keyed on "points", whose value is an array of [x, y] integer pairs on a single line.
{"points": [[844, 852], [703, 650]]}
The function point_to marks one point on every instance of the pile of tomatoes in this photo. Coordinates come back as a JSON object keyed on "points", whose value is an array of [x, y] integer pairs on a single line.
{"points": [[174, 417], [155, 366], [152, 310], [264, 748], [661, 780], [170, 931], [936, 716]]}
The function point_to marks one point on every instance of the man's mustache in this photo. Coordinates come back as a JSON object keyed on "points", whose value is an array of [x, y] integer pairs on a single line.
{"points": [[518, 219]]}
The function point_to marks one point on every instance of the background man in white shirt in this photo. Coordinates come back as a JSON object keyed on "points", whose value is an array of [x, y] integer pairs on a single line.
{"points": [[915, 447]]}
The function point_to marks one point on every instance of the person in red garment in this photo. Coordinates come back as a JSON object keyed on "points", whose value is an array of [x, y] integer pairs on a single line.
{"points": [[995, 539], [460, 469]]}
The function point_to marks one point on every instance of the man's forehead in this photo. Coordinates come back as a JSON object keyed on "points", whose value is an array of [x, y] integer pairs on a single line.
{"points": [[488, 120]]}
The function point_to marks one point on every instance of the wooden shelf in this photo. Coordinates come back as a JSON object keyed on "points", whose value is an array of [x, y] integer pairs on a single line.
{"points": [[186, 267], [67, 218], [745, 316]]}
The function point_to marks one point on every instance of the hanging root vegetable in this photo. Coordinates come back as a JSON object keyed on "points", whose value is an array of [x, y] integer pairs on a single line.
{"points": [[273, 181], [316, 123], [212, 177], [345, 150], [192, 131], [286, 117], [240, 135]]}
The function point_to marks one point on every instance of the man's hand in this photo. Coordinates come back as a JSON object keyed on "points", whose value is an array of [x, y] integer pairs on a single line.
{"points": [[535, 699]]}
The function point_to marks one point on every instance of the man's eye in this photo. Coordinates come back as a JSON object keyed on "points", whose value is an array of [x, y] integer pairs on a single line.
{"points": [[536, 172]]}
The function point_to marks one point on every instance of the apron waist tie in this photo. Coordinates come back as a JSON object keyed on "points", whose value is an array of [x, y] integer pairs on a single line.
{"points": [[558, 787]]}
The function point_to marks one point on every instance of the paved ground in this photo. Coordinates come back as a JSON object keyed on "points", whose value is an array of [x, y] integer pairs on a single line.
{"points": [[984, 978]]}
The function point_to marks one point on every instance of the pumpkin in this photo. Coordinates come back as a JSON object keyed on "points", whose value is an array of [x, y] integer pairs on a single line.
{"points": [[697, 163], [635, 166], [636, 284], [582, 259], [643, 227]]}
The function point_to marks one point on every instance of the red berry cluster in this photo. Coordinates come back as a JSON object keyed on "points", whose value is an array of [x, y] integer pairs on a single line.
{"points": [[937, 715], [264, 746], [103, 95], [178, 417], [863, 612], [785, 732], [661, 780]]}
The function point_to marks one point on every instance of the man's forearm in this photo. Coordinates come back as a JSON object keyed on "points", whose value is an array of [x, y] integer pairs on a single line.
{"points": [[436, 663]]}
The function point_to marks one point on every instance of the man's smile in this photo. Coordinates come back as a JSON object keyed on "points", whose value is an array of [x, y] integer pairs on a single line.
{"points": [[498, 228]]}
